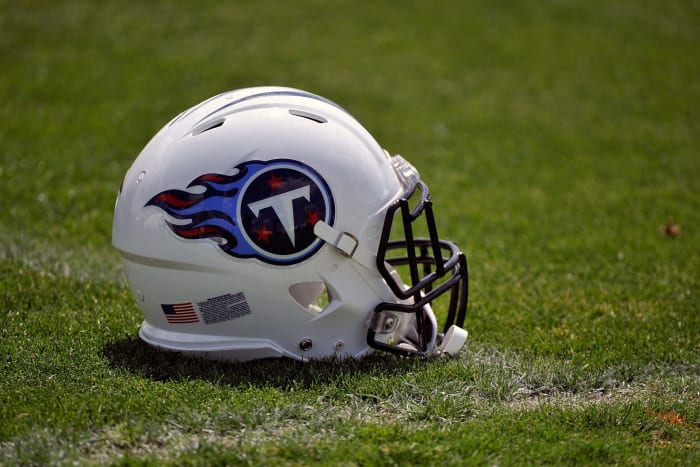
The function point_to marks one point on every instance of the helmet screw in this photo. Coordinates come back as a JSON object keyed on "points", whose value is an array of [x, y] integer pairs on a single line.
{"points": [[390, 323], [306, 344]]}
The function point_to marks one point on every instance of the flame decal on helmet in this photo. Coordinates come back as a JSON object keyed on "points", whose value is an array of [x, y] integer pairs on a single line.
{"points": [[265, 210], [205, 213]]}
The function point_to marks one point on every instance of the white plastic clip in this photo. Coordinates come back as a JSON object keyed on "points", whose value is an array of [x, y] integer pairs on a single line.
{"points": [[345, 243], [452, 342]]}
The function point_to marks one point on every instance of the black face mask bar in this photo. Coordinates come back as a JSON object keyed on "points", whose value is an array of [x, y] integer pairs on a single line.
{"points": [[424, 255]]}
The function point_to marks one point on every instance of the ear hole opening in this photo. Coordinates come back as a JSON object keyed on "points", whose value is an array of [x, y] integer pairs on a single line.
{"points": [[313, 296]]}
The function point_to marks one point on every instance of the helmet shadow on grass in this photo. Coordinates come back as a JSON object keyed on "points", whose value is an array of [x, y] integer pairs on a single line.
{"points": [[139, 358]]}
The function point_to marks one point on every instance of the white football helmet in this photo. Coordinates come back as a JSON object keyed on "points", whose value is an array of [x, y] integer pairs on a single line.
{"points": [[259, 224]]}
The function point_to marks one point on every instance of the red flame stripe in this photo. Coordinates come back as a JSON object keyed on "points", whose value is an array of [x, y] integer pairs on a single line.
{"points": [[174, 201], [217, 178], [199, 231]]}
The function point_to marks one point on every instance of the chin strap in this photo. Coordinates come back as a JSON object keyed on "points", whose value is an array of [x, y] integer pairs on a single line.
{"points": [[345, 243]]}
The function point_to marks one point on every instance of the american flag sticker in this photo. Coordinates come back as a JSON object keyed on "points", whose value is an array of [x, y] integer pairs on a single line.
{"points": [[180, 313]]}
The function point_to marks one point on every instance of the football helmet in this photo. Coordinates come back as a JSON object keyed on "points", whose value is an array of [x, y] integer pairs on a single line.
{"points": [[267, 222]]}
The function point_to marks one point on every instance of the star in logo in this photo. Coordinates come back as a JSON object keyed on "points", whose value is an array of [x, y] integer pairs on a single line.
{"points": [[274, 182], [312, 217], [263, 234]]}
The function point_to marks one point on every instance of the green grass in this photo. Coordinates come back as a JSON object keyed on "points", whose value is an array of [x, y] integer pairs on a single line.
{"points": [[557, 137]]}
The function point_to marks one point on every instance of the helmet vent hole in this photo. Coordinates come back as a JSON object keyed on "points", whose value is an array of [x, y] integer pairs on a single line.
{"points": [[206, 126], [312, 296], [308, 115]]}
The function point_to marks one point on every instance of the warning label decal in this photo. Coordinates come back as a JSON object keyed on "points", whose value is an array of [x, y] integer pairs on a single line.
{"points": [[223, 308]]}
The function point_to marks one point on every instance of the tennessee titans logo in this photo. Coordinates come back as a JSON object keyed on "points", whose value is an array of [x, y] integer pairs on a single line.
{"points": [[266, 210]]}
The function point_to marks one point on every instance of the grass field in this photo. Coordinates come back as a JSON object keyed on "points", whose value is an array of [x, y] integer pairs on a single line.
{"points": [[558, 138]]}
